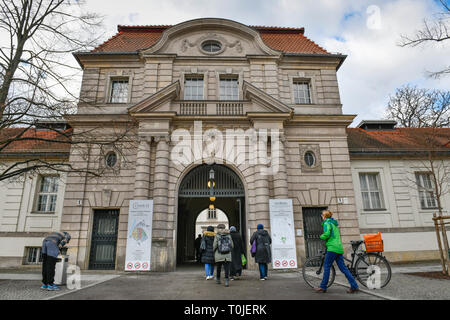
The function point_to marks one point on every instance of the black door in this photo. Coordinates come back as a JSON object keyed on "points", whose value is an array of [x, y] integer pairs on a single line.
{"points": [[312, 225], [104, 240]]}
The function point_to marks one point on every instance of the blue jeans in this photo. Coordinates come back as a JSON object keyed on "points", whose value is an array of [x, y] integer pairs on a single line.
{"points": [[209, 269], [263, 270], [329, 259]]}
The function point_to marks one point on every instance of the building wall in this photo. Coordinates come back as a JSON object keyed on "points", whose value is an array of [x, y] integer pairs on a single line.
{"points": [[407, 229], [21, 225]]}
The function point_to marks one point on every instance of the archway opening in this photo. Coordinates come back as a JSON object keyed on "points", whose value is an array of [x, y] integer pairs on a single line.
{"points": [[198, 195]]}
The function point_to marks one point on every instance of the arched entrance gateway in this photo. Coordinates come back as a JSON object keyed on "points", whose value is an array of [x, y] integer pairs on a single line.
{"points": [[208, 187]]}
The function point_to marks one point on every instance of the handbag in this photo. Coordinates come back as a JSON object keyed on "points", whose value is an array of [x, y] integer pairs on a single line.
{"points": [[253, 249], [244, 260]]}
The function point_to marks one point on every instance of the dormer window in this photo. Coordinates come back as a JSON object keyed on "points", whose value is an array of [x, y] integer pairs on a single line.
{"points": [[119, 90]]}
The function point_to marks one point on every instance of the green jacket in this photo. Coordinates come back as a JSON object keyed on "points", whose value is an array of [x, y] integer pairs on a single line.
{"points": [[332, 236]]}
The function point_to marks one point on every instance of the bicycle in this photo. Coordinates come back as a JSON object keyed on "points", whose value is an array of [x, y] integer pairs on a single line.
{"points": [[371, 269]]}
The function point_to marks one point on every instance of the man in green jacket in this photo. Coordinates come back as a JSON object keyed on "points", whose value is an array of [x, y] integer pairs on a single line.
{"points": [[335, 250]]}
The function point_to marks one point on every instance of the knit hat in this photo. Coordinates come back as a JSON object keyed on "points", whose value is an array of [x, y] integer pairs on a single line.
{"points": [[233, 229], [260, 226], [210, 229]]}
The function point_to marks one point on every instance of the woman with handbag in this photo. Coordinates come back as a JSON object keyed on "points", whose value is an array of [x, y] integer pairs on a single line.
{"points": [[237, 254], [263, 254]]}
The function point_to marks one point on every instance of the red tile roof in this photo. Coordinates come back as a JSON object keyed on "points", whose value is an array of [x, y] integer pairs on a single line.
{"points": [[33, 141], [399, 140], [134, 38]]}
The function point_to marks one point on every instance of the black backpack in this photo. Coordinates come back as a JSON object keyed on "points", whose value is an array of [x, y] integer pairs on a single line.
{"points": [[224, 244]]}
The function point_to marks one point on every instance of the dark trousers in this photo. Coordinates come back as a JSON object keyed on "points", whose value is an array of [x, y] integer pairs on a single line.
{"points": [[48, 269], [226, 269]]}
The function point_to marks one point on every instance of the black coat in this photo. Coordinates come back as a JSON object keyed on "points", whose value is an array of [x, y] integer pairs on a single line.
{"points": [[263, 242], [208, 253], [238, 250]]}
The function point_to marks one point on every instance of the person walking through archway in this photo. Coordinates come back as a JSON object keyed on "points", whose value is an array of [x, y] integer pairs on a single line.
{"points": [[223, 246], [263, 254], [207, 251], [335, 252], [236, 254]]}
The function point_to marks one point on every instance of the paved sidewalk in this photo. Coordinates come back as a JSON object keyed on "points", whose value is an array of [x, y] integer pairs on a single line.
{"points": [[190, 284]]}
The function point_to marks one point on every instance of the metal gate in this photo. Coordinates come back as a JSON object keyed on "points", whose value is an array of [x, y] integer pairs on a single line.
{"points": [[312, 224], [104, 240]]}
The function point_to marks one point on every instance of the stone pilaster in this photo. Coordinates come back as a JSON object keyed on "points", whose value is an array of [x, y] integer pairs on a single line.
{"points": [[142, 178], [261, 184], [280, 178], [161, 185]]}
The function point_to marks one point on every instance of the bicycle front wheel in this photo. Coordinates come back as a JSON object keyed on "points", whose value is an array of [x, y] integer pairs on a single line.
{"points": [[313, 272], [373, 270]]}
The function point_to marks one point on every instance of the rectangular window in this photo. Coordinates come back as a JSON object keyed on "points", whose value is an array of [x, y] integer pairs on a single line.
{"points": [[47, 194], [212, 214], [426, 190], [371, 191], [119, 91], [33, 255], [302, 94], [229, 88], [193, 88]]}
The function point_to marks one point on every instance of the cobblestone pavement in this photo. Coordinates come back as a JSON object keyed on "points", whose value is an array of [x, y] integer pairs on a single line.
{"points": [[190, 284]]}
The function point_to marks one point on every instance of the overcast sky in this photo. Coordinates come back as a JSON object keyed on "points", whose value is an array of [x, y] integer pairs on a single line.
{"points": [[368, 31]]}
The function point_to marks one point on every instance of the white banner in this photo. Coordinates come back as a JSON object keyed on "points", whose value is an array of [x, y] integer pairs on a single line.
{"points": [[284, 253], [139, 236]]}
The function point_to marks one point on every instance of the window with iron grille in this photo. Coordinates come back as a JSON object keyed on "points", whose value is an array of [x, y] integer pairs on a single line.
{"points": [[371, 191], [302, 92], [119, 91], [212, 214], [47, 194], [193, 88], [426, 190], [229, 88], [33, 255]]}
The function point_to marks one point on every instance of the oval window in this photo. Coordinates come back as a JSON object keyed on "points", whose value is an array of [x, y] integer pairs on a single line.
{"points": [[211, 46], [111, 159], [310, 159]]}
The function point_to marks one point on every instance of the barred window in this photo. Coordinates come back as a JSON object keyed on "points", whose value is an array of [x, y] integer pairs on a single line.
{"points": [[119, 91], [371, 191], [229, 88], [212, 214], [426, 190], [47, 194], [193, 88], [33, 255], [302, 94]]}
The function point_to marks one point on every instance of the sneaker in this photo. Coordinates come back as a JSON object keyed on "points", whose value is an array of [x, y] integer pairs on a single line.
{"points": [[356, 290], [44, 287], [262, 279], [53, 287]]}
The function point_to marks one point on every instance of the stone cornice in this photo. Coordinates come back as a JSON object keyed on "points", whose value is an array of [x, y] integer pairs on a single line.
{"points": [[323, 120]]}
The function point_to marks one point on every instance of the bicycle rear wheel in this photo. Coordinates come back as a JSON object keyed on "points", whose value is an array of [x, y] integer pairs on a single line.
{"points": [[311, 274], [373, 270]]}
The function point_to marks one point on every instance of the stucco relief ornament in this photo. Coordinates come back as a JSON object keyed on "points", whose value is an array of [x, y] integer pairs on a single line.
{"points": [[236, 44], [185, 44]]}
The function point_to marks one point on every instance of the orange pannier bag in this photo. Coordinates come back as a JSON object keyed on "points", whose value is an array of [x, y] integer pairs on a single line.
{"points": [[373, 242]]}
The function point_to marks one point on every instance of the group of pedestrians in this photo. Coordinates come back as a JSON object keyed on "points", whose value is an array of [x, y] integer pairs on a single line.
{"points": [[225, 250]]}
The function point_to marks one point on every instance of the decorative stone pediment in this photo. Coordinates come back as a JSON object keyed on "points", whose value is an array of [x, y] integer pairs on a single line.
{"points": [[159, 101], [265, 101], [232, 38]]}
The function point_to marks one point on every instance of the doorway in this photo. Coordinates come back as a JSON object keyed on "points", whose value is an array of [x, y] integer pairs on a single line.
{"points": [[207, 187], [104, 240], [312, 224]]}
